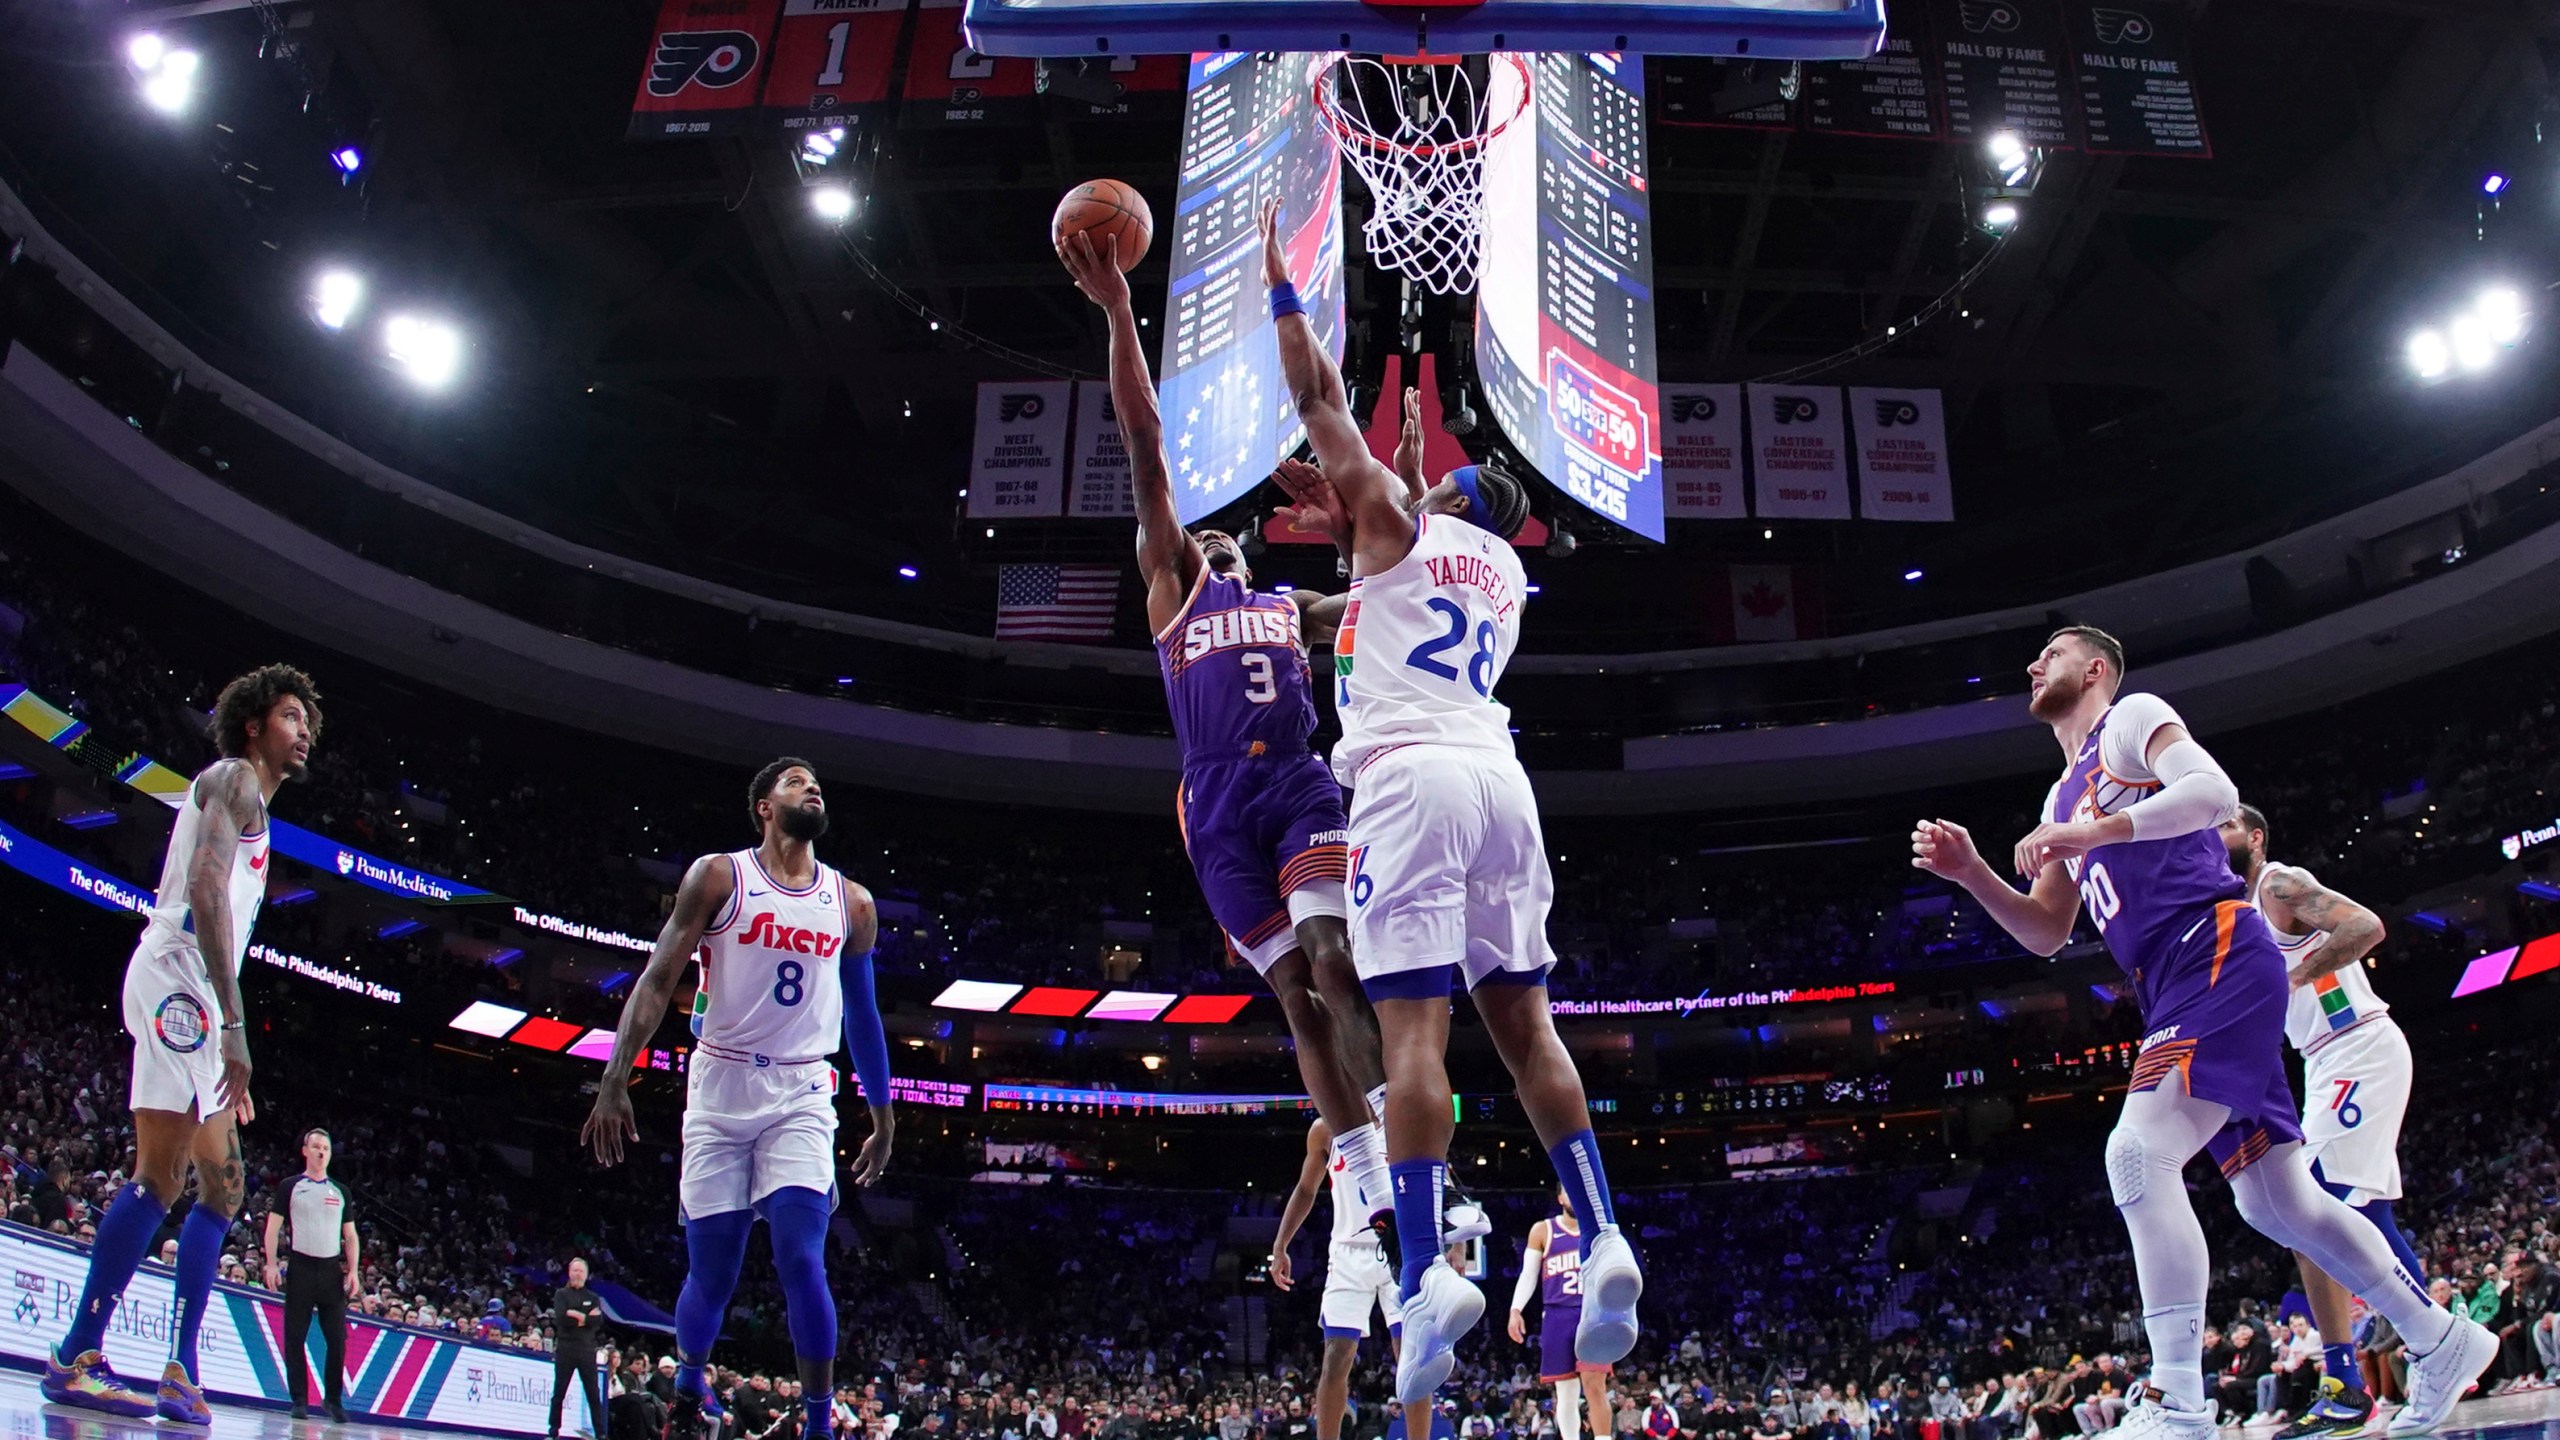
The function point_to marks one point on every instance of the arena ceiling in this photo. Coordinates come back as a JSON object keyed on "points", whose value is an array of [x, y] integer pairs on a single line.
{"points": [[670, 356]]}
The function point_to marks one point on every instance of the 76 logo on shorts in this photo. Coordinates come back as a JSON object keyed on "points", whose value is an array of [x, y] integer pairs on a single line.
{"points": [[1361, 884], [2349, 1113]]}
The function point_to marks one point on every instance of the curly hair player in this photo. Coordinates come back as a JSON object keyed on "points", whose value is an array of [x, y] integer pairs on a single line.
{"points": [[1449, 869], [2131, 829], [190, 1088], [785, 943]]}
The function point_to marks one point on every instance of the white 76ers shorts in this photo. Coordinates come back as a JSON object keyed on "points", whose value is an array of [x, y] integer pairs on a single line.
{"points": [[169, 1011], [1356, 1280], [751, 1129], [1448, 867], [2355, 1092]]}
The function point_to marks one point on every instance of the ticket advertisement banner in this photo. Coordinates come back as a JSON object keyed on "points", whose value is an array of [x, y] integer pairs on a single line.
{"points": [[395, 1375]]}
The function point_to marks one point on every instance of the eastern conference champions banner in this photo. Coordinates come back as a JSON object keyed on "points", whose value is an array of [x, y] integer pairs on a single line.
{"points": [[1018, 466], [1902, 454], [1799, 452], [395, 1375]]}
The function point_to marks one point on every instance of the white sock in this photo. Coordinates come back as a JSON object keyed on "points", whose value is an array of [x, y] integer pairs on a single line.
{"points": [[2177, 1353], [2279, 1198], [1378, 1102], [1364, 1152], [1569, 1409]]}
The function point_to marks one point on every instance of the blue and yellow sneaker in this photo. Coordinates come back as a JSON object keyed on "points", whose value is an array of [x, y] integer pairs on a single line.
{"points": [[2338, 1413], [180, 1399], [87, 1383]]}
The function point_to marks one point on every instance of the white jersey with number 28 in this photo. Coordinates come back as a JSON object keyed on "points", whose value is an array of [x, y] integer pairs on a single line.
{"points": [[770, 983], [1423, 644]]}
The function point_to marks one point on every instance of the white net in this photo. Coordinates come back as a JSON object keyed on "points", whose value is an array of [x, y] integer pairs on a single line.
{"points": [[1417, 135]]}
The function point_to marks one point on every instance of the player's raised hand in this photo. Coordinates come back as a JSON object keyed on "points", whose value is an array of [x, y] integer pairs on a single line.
{"points": [[1275, 264], [1281, 1277], [609, 1125], [1096, 274], [1944, 849], [1318, 506], [1408, 461]]}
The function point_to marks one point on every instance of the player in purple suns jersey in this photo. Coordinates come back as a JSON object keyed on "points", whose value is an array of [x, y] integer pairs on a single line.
{"points": [[1449, 872], [2131, 830], [1261, 816]]}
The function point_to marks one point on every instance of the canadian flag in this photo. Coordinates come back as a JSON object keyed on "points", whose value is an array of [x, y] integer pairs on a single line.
{"points": [[1770, 602]]}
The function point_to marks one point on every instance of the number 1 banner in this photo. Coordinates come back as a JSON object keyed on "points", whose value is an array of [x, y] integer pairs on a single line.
{"points": [[831, 63]]}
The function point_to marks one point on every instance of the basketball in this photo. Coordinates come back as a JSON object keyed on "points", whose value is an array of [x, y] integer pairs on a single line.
{"points": [[1110, 211]]}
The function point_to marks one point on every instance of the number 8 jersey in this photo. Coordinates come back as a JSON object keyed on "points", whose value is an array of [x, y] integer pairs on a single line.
{"points": [[1423, 644], [770, 986], [2144, 896]]}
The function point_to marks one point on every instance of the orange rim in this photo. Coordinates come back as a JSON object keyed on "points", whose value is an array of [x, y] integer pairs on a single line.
{"points": [[1346, 133]]}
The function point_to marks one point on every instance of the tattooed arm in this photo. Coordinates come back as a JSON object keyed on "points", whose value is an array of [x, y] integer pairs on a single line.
{"points": [[2353, 930], [228, 795]]}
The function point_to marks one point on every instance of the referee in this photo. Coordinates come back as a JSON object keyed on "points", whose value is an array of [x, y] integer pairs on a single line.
{"points": [[309, 1212]]}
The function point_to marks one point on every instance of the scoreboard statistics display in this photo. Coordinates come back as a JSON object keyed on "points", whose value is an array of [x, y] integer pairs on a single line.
{"points": [[1249, 131], [1564, 293]]}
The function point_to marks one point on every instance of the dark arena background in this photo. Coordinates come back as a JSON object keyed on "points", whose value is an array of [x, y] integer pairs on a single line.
{"points": [[601, 399]]}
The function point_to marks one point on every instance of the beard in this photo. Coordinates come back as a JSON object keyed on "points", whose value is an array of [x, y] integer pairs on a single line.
{"points": [[2239, 858], [1223, 560], [800, 822], [2059, 696]]}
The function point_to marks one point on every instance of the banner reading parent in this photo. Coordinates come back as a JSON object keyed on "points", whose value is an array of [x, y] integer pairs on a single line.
{"points": [[1018, 466], [1902, 454]]}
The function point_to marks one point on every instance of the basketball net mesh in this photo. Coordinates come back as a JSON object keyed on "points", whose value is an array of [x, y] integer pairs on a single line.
{"points": [[1417, 134]]}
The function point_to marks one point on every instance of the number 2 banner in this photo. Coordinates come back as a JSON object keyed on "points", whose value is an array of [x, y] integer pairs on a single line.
{"points": [[831, 63], [949, 83]]}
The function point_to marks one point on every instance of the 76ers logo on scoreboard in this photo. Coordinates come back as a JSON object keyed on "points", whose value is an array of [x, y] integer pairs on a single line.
{"points": [[1595, 416]]}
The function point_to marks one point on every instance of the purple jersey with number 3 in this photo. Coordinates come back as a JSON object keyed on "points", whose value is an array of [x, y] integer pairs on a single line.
{"points": [[1235, 673]]}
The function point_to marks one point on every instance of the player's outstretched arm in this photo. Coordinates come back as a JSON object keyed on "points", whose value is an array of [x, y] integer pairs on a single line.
{"points": [[2040, 919], [1167, 555], [1533, 1263], [707, 886], [1408, 465], [228, 795], [864, 1039], [2352, 929], [1381, 530], [1302, 1202]]}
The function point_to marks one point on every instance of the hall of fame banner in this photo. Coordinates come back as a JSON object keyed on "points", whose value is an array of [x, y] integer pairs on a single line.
{"points": [[1018, 460], [395, 1375]]}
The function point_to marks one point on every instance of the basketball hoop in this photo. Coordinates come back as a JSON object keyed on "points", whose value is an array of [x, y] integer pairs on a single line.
{"points": [[1416, 129]]}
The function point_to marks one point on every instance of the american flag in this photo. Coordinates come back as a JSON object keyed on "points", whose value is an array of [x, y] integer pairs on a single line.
{"points": [[1056, 602]]}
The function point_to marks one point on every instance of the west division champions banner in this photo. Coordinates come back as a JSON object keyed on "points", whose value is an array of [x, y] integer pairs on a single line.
{"points": [[705, 67], [1799, 452], [1902, 454], [394, 1375], [1249, 130], [1702, 452], [2137, 82], [1018, 464], [831, 63], [1098, 480], [1564, 293], [2001, 64]]}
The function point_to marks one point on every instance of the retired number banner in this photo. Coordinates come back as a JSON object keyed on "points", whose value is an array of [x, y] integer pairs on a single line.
{"points": [[1018, 466], [705, 67], [1799, 452], [1702, 452], [1902, 454], [1098, 486], [831, 63]]}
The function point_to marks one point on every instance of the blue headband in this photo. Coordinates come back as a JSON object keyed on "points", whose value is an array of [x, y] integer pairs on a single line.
{"points": [[1478, 513]]}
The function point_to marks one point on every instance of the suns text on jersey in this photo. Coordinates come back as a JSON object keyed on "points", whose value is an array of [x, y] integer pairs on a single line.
{"points": [[1237, 629], [1475, 571]]}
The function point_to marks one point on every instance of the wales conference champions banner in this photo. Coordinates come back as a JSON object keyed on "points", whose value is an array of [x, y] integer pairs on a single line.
{"points": [[395, 1375]]}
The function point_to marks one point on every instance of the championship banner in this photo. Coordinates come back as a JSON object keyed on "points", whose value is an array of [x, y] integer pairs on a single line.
{"points": [[1799, 453], [395, 1375], [950, 84], [1902, 454], [702, 73], [1018, 464], [1702, 452], [1098, 487], [831, 63]]}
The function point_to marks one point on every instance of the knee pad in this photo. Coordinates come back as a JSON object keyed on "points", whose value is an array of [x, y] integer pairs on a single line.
{"points": [[2128, 1166]]}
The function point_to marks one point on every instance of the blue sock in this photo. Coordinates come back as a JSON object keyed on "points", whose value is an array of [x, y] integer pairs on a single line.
{"points": [[2379, 1212], [199, 1256], [1420, 1186], [123, 1235], [798, 1217], [715, 1247], [822, 1416], [2338, 1362], [1577, 1161]]}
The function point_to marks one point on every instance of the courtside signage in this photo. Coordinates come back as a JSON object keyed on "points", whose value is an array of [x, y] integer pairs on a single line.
{"points": [[1738, 1000]]}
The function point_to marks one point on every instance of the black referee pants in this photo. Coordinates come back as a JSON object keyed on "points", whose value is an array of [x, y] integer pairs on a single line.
{"points": [[563, 1363], [312, 1284]]}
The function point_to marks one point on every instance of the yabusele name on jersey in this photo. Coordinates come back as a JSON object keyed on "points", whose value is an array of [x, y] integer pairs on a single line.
{"points": [[764, 930], [1477, 572]]}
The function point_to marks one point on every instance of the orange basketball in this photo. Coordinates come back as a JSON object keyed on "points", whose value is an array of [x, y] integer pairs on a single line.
{"points": [[1111, 212]]}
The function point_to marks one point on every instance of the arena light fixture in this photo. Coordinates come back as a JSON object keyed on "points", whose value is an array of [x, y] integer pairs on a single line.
{"points": [[347, 158], [2493, 183], [834, 203], [168, 75], [2429, 354], [1911, 575], [145, 51], [2472, 348], [428, 351], [335, 296], [2501, 309], [2000, 214], [906, 572]]}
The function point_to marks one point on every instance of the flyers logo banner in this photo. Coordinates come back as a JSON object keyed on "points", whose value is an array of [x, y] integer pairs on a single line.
{"points": [[1988, 17], [2121, 27], [1891, 412], [1794, 409], [1702, 452], [1688, 409], [1902, 455], [1020, 405], [1799, 455], [705, 68], [716, 59]]}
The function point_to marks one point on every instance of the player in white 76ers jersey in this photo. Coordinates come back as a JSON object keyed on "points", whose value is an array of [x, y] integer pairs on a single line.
{"points": [[2130, 830], [1357, 1278], [1448, 867], [2356, 1075], [785, 948], [190, 1088]]}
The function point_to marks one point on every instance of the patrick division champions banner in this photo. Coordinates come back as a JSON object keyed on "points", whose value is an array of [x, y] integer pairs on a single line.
{"points": [[394, 1375], [1564, 293]]}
